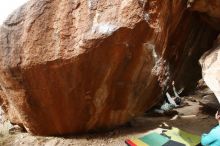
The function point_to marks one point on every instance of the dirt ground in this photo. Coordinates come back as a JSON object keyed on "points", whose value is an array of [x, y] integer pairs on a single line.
{"points": [[193, 118]]}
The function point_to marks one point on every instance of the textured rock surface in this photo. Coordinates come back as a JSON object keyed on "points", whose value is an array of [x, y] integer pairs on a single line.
{"points": [[210, 101], [210, 11], [208, 98], [73, 66], [211, 8], [210, 63]]}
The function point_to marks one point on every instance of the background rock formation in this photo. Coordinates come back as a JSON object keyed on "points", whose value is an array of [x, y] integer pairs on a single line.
{"points": [[209, 10], [74, 66], [210, 63]]}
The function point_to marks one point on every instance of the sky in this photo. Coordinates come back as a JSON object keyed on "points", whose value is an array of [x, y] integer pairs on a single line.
{"points": [[8, 6]]}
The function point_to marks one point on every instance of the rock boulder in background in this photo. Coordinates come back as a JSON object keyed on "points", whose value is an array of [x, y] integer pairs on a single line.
{"points": [[210, 63], [209, 11]]}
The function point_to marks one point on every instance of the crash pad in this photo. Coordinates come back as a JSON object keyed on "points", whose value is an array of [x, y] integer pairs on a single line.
{"points": [[173, 143], [151, 139], [135, 142], [154, 139], [183, 137]]}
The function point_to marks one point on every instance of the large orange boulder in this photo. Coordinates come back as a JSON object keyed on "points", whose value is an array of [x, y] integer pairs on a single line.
{"points": [[70, 66]]}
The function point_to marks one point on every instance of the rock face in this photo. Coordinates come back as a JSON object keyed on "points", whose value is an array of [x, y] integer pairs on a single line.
{"points": [[208, 98], [209, 8], [74, 66], [210, 11], [210, 63]]}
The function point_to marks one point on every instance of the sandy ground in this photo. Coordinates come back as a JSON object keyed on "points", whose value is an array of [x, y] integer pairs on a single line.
{"points": [[198, 124]]}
